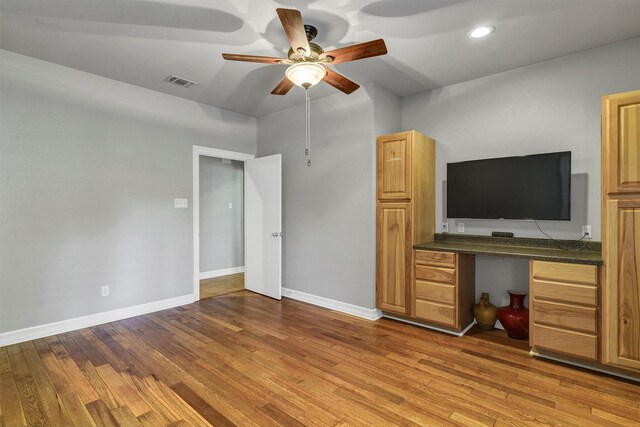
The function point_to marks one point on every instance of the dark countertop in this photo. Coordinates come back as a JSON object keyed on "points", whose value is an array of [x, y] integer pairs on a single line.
{"points": [[517, 247]]}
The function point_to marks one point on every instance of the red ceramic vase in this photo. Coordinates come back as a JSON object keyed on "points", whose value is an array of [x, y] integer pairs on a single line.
{"points": [[515, 316]]}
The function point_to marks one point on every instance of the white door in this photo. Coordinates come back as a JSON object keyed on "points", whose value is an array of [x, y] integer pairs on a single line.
{"points": [[263, 225]]}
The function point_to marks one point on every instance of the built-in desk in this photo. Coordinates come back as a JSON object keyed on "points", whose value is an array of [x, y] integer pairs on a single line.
{"points": [[515, 247], [564, 294]]}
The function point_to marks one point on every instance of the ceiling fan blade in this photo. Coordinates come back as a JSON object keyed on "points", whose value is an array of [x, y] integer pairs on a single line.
{"points": [[358, 51], [340, 82], [294, 27], [283, 87], [252, 58]]}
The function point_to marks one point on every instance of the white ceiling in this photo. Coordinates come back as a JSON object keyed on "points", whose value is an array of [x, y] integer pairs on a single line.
{"points": [[143, 41]]}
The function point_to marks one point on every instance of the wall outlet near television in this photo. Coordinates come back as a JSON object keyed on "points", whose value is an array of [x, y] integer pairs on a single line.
{"points": [[461, 227], [586, 231], [445, 227]]}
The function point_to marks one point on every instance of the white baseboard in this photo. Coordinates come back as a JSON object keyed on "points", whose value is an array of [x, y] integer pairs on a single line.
{"points": [[40, 331], [222, 272], [584, 365], [435, 328], [343, 307]]}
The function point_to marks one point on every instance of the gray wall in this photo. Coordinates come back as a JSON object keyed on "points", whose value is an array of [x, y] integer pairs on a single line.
{"points": [[89, 168], [221, 228], [329, 218], [551, 106]]}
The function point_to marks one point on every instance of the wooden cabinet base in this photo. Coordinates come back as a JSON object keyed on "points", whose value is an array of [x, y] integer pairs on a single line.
{"points": [[429, 325], [444, 289], [582, 363], [563, 308]]}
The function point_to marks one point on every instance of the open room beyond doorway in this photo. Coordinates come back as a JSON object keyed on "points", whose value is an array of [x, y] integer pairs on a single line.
{"points": [[218, 221], [221, 226]]}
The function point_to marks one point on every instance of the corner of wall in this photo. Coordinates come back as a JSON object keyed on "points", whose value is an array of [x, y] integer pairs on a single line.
{"points": [[386, 109]]}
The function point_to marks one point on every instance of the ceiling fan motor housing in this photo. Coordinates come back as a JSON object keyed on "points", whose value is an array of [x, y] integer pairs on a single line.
{"points": [[311, 31], [316, 51]]}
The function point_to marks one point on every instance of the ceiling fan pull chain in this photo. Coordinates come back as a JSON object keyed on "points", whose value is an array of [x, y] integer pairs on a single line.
{"points": [[307, 151]]}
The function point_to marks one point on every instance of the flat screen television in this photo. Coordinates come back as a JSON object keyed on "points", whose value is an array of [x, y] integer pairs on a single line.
{"points": [[534, 187]]}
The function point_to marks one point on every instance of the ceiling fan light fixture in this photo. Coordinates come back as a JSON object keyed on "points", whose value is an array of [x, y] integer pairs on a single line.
{"points": [[305, 74]]}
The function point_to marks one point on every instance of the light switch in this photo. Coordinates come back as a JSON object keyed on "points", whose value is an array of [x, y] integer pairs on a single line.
{"points": [[461, 227], [180, 203], [230, 205]]}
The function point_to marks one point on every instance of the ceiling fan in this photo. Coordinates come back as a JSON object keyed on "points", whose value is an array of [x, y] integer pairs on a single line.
{"points": [[307, 60]]}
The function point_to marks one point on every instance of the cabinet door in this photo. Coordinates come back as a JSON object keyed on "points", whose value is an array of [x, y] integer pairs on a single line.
{"points": [[393, 266], [621, 308], [621, 148], [394, 167]]}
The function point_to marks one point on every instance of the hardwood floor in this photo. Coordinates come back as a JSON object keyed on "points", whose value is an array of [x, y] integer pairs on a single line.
{"points": [[222, 285], [245, 359]]}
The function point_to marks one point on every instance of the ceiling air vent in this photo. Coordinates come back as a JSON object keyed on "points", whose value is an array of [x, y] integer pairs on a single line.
{"points": [[179, 81]]}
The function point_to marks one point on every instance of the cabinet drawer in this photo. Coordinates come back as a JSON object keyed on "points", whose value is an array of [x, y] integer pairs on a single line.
{"points": [[445, 259], [434, 312], [436, 274], [578, 294], [563, 272], [567, 342], [583, 319], [436, 292]]}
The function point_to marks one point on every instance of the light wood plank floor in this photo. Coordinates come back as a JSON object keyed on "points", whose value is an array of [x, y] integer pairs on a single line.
{"points": [[222, 285], [249, 360]]}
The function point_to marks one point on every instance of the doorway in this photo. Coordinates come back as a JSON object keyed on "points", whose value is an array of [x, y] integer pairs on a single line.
{"points": [[262, 209], [221, 226], [218, 220]]}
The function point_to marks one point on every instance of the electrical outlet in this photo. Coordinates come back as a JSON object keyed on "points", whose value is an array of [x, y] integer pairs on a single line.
{"points": [[105, 291], [586, 231], [180, 203], [461, 227], [445, 227]]}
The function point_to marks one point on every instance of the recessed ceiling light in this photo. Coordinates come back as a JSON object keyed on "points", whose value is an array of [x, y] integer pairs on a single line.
{"points": [[481, 32]]}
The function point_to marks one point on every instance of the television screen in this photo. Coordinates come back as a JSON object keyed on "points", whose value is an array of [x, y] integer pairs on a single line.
{"points": [[535, 187]]}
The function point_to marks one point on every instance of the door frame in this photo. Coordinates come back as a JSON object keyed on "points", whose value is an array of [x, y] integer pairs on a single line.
{"points": [[206, 152]]}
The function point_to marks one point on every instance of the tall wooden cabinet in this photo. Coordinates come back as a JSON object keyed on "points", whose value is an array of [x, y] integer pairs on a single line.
{"points": [[405, 214], [621, 229]]}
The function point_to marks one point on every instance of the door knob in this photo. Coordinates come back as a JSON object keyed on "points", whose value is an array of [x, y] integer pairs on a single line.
{"points": [[274, 234]]}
